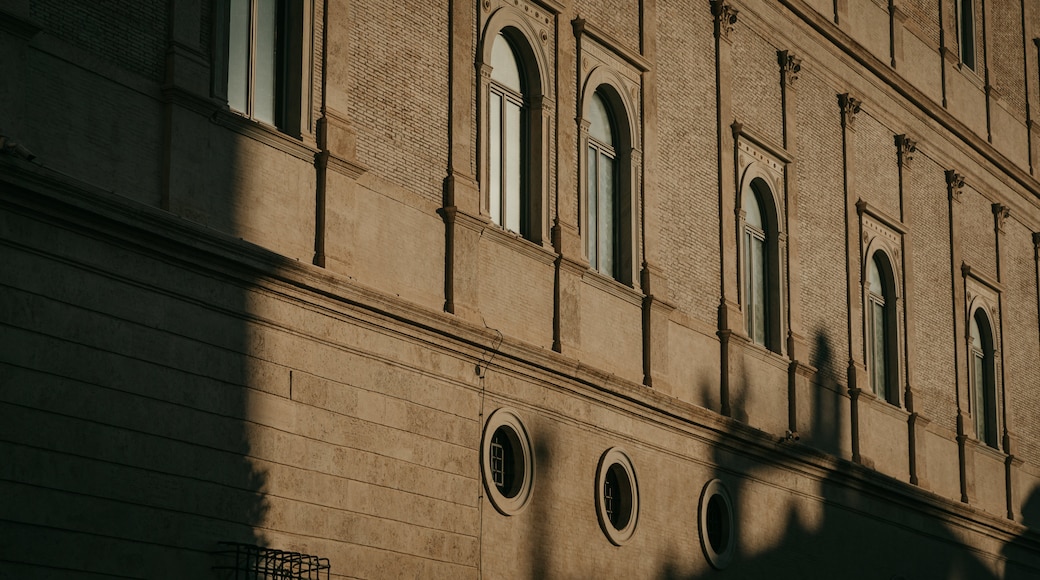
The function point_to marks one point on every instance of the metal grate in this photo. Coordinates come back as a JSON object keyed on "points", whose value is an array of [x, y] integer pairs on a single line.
{"points": [[247, 562]]}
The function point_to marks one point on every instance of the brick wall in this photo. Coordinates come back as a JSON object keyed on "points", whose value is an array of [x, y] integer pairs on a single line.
{"points": [[877, 172], [687, 157], [932, 326], [401, 90], [822, 200], [756, 83], [1021, 339], [1004, 35], [131, 34]]}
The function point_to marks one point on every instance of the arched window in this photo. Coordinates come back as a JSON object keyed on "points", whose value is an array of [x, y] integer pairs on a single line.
{"points": [[761, 282], [506, 147], [983, 391], [602, 219], [882, 356]]}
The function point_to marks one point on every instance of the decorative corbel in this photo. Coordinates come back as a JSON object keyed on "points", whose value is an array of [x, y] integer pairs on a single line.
{"points": [[725, 18], [1000, 215], [905, 149], [954, 184], [790, 66], [849, 108]]}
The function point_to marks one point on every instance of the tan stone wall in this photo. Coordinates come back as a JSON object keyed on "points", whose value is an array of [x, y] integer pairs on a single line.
{"points": [[177, 377]]}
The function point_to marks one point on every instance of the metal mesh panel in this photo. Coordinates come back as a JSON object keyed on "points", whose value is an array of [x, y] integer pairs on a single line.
{"points": [[246, 562]]}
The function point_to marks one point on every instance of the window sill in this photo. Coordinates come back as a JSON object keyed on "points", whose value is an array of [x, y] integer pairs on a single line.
{"points": [[518, 243], [761, 352], [983, 448], [265, 134], [885, 407], [612, 286]]}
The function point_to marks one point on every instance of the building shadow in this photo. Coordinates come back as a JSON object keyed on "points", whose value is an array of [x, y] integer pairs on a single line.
{"points": [[127, 377], [839, 529]]}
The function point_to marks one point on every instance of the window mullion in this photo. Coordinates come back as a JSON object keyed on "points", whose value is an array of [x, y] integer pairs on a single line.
{"points": [[254, 11]]}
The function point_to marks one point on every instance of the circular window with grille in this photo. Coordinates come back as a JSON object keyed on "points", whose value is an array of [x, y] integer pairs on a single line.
{"points": [[716, 524], [507, 462], [617, 495]]}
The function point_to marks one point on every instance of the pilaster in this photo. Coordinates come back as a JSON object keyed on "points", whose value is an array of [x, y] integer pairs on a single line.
{"points": [[905, 150], [570, 263], [653, 281], [797, 348], [730, 317], [461, 209], [954, 187], [336, 165], [1001, 213]]}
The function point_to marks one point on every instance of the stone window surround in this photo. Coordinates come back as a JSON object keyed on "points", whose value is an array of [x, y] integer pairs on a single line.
{"points": [[615, 74], [508, 418], [616, 456], [300, 64], [759, 161], [527, 33], [718, 559], [983, 293], [880, 232]]}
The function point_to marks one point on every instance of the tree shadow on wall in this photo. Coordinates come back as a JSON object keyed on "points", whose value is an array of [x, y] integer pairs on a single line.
{"points": [[840, 529], [126, 386]]}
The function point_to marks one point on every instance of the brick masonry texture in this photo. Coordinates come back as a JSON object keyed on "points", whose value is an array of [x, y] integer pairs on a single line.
{"points": [[756, 83], [619, 17], [978, 238], [1023, 365], [921, 16], [689, 197], [402, 89], [822, 200], [932, 330], [1005, 34], [130, 34], [877, 175]]}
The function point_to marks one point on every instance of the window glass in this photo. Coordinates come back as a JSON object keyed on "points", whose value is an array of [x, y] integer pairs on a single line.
{"points": [[874, 278], [238, 56], [752, 211], [599, 122], [758, 290], [966, 28], [984, 390], [756, 264], [512, 167], [266, 53], [495, 157], [504, 69], [606, 215], [880, 350], [593, 206]]}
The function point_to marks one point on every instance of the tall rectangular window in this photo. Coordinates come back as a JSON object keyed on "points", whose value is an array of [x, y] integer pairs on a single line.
{"points": [[261, 53], [966, 31]]}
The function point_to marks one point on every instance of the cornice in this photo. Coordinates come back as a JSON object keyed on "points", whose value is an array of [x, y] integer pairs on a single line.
{"points": [[905, 89], [583, 27]]}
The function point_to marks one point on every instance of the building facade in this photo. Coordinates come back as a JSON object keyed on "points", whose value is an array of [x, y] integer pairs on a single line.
{"points": [[520, 288]]}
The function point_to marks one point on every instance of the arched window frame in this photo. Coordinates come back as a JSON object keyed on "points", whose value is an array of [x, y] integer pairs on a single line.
{"points": [[881, 310], [982, 383], [762, 185], [535, 120], [606, 84]]}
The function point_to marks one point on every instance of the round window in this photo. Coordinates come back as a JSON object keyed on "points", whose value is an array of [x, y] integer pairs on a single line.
{"points": [[506, 461], [617, 495], [716, 524]]}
